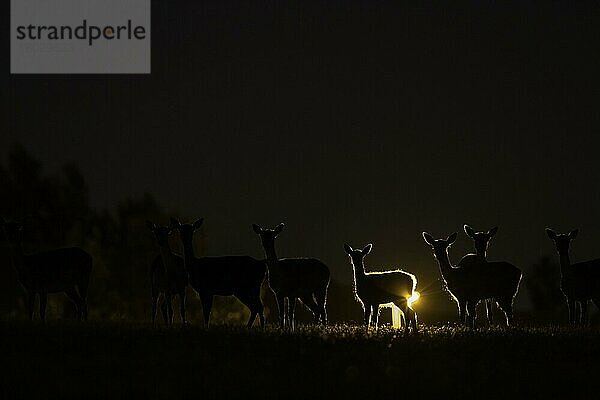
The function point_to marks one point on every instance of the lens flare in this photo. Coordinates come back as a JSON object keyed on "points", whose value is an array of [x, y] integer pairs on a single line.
{"points": [[414, 298]]}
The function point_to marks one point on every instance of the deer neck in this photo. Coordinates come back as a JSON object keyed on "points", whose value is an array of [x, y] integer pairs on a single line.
{"points": [[481, 256], [446, 268], [167, 255], [272, 260], [188, 253], [565, 263], [359, 271]]}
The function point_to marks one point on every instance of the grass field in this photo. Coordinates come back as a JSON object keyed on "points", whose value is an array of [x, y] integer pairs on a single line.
{"points": [[136, 360]]}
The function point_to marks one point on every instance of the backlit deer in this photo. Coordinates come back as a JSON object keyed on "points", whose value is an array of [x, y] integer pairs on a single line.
{"points": [[469, 285], [580, 282], [373, 289], [481, 241], [306, 279], [239, 276], [62, 270], [168, 276]]}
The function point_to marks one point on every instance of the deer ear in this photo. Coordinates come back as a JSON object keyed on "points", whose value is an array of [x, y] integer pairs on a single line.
{"points": [[469, 231], [279, 228], [452, 238], [175, 223], [573, 234], [150, 225], [197, 223], [256, 229], [367, 249], [428, 238], [551, 234], [492, 231], [348, 248]]}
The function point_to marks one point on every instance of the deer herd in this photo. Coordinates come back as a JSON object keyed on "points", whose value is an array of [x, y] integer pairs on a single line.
{"points": [[473, 280]]}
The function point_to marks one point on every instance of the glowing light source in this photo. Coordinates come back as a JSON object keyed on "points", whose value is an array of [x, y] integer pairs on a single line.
{"points": [[397, 316], [414, 298]]}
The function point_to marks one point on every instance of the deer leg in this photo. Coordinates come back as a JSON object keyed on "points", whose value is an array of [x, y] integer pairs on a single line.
{"points": [[250, 322], [255, 304], [163, 309], [309, 301], [472, 312], [584, 313], [170, 309], [367, 315], [84, 309], [261, 315], [154, 307], [43, 302], [251, 304], [281, 310], [408, 314], [206, 301], [292, 312], [30, 303], [507, 307], [321, 299], [182, 306], [375, 317], [253, 313], [462, 312], [260, 310], [286, 315], [412, 317], [76, 299], [402, 304], [572, 311], [488, 310], [256, 308], [596, 303]]}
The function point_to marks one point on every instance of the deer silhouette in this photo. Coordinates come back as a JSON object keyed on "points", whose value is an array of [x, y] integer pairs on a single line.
{"points": [[481, 242], [373, 289], [580, 282], [239, 276], [470, 284], [168, 276], [61, 270], [306, 279]]}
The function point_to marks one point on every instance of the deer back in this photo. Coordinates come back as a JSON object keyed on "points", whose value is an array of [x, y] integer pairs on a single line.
{"points": [[582, 280], [299, 276], [56, 270], [385, 287], [227, 275]]}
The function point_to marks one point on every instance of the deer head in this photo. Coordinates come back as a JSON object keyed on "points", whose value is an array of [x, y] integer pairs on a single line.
{"points": [[186, 231], [562, 240], [440, 246], [267, 236], [480, 239], [357, 255], [162, 233]]}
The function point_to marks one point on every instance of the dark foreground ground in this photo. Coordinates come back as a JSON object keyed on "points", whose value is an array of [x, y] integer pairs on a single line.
{"points": [[129, 360]]}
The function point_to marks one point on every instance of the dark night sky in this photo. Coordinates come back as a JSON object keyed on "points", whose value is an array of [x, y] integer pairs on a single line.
{"points": [[350, 122]]}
